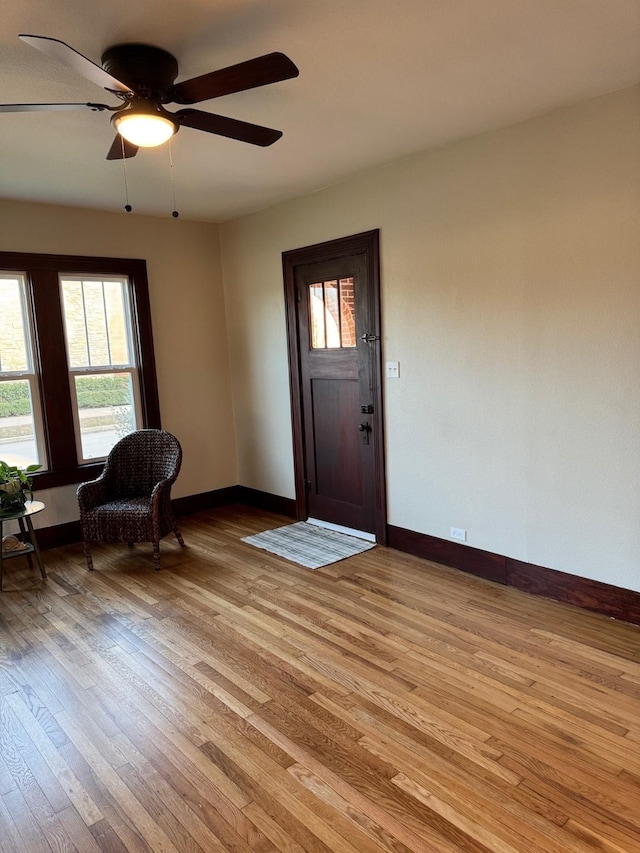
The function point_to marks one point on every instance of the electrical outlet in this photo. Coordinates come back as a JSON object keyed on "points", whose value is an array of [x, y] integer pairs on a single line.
{"points": [[392, 369], [458, 533]]}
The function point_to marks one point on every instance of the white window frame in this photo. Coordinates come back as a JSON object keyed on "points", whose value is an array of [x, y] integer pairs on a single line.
{"points": [[132, 367], [30, 375]]}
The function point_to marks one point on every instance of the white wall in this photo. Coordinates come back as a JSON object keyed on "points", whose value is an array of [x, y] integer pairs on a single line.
{"points": [[511, 298], [188, 318]]}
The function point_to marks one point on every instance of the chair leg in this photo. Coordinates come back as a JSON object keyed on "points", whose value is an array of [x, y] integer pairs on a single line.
{"points": [[156, 556], [178, 533], [87, 556]]}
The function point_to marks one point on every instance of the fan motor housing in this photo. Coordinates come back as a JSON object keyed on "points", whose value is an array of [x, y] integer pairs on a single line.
{"points": [[148, 70]]}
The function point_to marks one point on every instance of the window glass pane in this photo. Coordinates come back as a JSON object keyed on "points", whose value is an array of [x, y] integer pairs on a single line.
{"points": [[332, 314], [18, 444], [77, 344], [316, 308], [96, 322], [14, 351], [117, 325], [106, 411], [347, 313]]}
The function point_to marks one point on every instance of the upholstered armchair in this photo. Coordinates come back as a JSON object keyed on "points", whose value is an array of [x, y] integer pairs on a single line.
{"points": [[131, 500]]}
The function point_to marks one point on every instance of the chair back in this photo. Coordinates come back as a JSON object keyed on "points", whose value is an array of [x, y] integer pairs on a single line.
{"points": [[140, 460]]}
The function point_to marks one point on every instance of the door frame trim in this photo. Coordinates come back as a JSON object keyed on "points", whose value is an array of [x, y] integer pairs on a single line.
{"points": [[366, 243]]}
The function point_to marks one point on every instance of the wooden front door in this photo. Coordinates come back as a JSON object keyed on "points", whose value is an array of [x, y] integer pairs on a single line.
{"points": [[332, 293]]}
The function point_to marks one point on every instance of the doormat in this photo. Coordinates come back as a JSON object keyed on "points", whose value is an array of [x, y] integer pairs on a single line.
{"points": [[309, 545]]}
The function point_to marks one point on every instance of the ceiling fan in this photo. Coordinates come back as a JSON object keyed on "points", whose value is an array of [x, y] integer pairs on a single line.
{"points": [[142, 76]]}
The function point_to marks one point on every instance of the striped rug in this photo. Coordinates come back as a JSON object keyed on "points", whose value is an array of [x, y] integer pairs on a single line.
{"points": [[309, 545]]}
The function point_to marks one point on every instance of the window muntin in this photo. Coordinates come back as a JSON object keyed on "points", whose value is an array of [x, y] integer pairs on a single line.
{"points": [[21, 426], [103, 373]]}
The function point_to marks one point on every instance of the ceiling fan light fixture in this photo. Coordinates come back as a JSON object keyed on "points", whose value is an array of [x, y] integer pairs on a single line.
{"points": [[144, 125], [142, 122]]}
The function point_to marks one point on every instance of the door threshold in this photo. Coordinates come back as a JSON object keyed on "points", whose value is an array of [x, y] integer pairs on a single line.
{"points": [[359, 534]]}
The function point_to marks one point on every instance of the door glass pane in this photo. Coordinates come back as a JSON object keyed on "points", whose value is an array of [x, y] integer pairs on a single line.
{"points": [[347, 313], [14, 352], [331, 308], [332, 314], [96, 322], [106, 411], [18, 444], [316, 308]]}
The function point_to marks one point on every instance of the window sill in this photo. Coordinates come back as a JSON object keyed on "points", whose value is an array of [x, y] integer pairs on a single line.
{"points": [[54, 479]]}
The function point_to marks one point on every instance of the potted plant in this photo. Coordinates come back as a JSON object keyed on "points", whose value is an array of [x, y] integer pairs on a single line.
{"points": [[15, 487]]}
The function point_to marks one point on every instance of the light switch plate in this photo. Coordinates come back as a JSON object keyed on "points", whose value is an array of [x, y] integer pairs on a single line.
{"points": [[392, 369]]}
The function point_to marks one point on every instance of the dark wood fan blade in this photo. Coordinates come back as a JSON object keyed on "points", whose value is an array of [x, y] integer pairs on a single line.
{"points": [[121, 149], [28, 108], [261, 71], [254, 134], [64, 53]]}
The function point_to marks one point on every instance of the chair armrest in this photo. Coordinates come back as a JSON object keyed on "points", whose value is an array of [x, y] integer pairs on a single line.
{"points": [[161, 491], [91, 494]]}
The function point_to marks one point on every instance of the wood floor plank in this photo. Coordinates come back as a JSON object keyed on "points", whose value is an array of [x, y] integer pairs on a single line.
{"points": [[109, 841], [25, 819], [413, 750], [77, 831], [279, 837], [178, 749], [10, 838], [115, 830], [382, 838], [236, 701], [292, 806], [71, 785], [184, 777], [122, 794], [393, 817]]}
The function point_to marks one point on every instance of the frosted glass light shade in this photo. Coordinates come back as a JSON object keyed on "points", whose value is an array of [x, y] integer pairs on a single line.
{"points": [[145, 130]]}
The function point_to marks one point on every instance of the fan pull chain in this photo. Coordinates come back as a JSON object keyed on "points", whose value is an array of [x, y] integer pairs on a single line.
{"points": [[174, 212], [127, 206]]}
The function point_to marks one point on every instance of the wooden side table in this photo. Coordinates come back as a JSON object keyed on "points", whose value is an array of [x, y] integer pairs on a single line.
{"points": [[23, 517]]}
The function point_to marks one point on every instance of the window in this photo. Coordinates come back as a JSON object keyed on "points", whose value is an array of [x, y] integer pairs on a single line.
{"points": [[102, 368], [21, 430], [77, 369], [333, 324]]}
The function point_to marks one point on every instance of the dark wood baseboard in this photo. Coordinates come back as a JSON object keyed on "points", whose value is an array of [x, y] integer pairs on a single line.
{"points": [[572, 589], [589, 594], [203, 501], [235, 495], [267, 501], [59, 534], [482, 563]]}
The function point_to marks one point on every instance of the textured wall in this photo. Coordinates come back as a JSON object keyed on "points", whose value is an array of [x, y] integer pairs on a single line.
{"points": [[510, 297], [188, 316]]}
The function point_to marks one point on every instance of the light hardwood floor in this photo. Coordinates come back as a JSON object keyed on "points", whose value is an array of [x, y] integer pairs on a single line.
{"points": [[236, 702]]}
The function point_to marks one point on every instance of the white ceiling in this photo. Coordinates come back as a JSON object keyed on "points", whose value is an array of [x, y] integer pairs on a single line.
{"points": [[379, 80]]}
